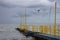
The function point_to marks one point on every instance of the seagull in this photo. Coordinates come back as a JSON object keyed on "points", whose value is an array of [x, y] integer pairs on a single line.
{"points": [[38, 10]]}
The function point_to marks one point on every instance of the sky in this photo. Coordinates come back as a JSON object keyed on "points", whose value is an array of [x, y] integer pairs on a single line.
{"points": [[11, 11]]}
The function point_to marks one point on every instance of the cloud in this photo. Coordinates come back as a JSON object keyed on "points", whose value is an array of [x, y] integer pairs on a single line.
{"points": [[24, 3], [51, 0], [10, 11]]}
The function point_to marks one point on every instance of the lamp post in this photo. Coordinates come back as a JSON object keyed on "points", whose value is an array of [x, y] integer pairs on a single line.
{"points": [[55, 19]]}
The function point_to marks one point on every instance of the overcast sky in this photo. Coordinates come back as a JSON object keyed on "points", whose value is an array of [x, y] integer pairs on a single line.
{"points": [[11, 11]]}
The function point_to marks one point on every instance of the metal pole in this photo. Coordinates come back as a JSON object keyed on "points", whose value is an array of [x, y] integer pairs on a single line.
{"points": [[55, 19], [23, 19], [25, 15], [49, 21]]}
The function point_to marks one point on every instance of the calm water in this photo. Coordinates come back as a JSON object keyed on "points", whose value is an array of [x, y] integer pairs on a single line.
{"points": [[8, 32]]}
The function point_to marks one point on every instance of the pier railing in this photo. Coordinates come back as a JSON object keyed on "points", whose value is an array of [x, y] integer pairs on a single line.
{"points": [[44, 29]]}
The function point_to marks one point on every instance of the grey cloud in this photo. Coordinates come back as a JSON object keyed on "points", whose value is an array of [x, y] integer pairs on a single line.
{"points": [[30, 12], [24, 3], [51, 0], [11, 13], [21, 14], [6, 5]]}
